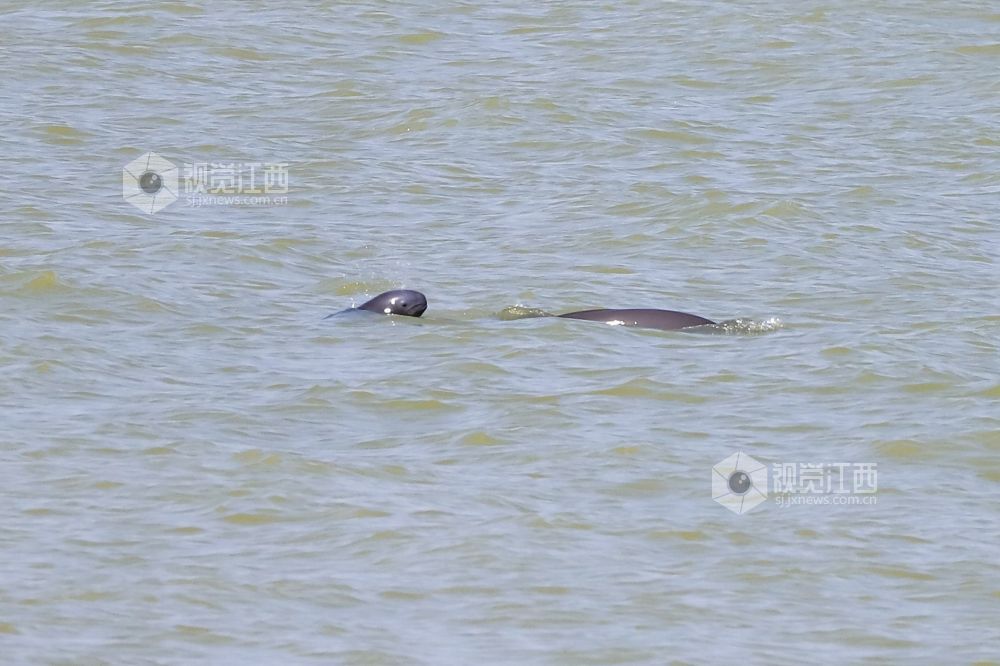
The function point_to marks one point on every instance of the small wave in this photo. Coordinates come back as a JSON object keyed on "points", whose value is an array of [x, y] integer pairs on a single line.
{"points": [[34, 283]]}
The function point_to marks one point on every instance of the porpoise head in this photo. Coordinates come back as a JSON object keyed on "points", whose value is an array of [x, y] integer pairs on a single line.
{"points": [[399, 302]]}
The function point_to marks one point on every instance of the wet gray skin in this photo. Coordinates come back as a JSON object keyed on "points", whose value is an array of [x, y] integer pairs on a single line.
{"points": [[404, 302], [665, 320]]}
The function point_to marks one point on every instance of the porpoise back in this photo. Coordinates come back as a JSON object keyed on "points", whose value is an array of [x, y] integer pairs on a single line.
{"points": [[665, 320]]}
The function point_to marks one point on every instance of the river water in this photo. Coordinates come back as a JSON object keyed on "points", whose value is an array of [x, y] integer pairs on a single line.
{"points": [[197, 468]]}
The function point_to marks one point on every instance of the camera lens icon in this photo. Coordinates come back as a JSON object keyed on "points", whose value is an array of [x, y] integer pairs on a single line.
{"points": [[739, 482], [150, 183]]}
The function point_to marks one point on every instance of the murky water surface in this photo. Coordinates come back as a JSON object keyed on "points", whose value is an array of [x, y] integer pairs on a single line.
{"points": [[196, 468]]}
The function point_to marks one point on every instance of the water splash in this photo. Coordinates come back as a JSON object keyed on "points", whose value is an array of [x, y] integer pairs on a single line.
{"points": [[741, 326], [522, 312]]}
